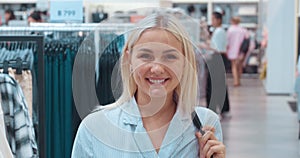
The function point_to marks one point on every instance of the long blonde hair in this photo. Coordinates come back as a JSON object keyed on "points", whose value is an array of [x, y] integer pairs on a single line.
{"points": [[187, 90]]}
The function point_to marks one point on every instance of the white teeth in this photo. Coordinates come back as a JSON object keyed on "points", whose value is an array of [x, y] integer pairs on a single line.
{"points": [[156, 81]]}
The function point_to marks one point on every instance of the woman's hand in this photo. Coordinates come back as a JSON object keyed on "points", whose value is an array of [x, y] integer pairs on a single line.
{"points": [[209, 145]]}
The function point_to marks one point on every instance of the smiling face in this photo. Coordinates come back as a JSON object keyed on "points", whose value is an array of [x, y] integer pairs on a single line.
{"points": [[161, 74], [157, 63]]}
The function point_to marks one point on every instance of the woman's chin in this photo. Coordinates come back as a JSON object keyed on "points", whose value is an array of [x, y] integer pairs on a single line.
{"points": [[157, 93]]}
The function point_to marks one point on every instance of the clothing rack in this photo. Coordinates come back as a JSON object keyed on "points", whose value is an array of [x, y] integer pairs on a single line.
{"points": [[39, 40], [21, 34], [69, 28]]}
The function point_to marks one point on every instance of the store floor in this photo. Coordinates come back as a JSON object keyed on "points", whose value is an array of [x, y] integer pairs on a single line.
{"points": [[261, 126]]}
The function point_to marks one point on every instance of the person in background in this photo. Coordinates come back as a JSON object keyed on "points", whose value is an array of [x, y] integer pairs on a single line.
{"points": [[9, 15], [217, 46], [191, 10], [34, 17], [218, 39], [235, 37], [204, 33]]}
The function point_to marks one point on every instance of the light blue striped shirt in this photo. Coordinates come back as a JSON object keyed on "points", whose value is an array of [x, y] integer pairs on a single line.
{"points": [[119, 132]]}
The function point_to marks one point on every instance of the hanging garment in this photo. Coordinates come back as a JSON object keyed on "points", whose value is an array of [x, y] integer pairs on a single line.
{"points": [[19, 127], [62, 119], [25, 54], [25, 82], [106, 94], [19, 51], [5, 151]]}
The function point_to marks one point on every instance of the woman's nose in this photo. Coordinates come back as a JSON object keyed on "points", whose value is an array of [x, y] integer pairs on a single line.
{"points": [[157, 68]]}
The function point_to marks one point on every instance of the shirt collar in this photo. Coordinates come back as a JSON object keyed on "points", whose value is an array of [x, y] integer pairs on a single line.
{"points": [[132, 115], [130, 112]]}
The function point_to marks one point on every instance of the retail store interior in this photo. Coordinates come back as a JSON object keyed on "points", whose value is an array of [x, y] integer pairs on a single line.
{"points": [[48, 47]]}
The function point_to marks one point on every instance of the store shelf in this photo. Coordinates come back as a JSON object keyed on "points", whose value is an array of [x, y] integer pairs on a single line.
{"points": [[249, 10], [249, 25], [234, 1], [17, 1], [245, 25], [190, 1], [245, 14], [215, 1]]}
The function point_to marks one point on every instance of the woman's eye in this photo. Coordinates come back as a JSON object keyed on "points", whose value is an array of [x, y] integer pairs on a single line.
{"points": [[145, 56], [171, 56]]}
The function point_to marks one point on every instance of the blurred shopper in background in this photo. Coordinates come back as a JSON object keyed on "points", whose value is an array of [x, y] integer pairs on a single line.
{"points": [[217, 46], [9, 15], [34, 17], [237, 46]]}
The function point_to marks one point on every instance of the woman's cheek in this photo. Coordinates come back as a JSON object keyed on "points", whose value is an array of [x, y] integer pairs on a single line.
{"points": [[178, 71]]}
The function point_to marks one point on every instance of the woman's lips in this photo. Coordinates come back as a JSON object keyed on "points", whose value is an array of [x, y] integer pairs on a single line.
{"points": [[157, 80]]}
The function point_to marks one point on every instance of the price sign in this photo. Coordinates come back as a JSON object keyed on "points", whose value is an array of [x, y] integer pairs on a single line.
{"points": [[66, 10]]}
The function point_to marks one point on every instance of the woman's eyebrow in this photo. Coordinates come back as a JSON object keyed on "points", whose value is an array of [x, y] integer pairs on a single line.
{"points": [[146, 50], [164, 52], [170, 50]]}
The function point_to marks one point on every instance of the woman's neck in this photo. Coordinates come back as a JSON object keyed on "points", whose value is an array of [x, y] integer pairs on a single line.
{"points": [[156, 114], [157, 111]]}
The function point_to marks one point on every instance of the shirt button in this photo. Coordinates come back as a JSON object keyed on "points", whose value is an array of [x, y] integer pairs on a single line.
{"points": [[125, 121]]}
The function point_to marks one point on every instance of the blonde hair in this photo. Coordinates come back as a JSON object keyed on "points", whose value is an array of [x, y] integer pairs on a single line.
{"points": [[236, 20], [187, 90]]}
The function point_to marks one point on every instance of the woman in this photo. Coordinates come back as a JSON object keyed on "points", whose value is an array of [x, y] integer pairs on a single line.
{"points": [[9, 15], [152, 118], [235, 36]]}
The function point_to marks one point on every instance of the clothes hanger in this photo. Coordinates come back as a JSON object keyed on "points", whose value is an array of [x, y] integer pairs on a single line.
{"points": [[5, 67], [19, 66]]}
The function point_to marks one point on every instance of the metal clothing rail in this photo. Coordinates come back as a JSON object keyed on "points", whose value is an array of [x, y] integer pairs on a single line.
{"points": [[64, 29], [82, 24], [39, 40], [58, 28], [70, 28]]}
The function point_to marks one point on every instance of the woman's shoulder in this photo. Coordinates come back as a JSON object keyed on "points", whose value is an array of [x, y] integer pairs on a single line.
{"points": [[100, 113], [104, 128], [100, 121]]}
